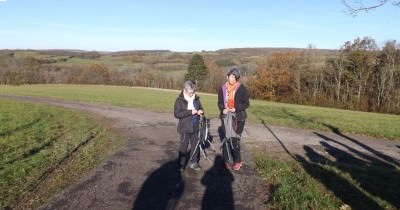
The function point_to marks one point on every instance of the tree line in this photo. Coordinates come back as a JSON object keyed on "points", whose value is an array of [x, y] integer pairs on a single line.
{"points": [[361, 76], [358, 76]]}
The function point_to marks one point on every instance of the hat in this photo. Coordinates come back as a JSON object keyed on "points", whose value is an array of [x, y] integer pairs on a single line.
{"points": [[235, 71]]}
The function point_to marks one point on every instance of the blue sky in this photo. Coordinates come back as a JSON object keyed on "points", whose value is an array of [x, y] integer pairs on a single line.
{"points": [[188, 25]]}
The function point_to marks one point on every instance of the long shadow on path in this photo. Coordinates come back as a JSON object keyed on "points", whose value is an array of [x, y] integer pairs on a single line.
{"points": [[218, 182], [162, 189], [364, 146]]}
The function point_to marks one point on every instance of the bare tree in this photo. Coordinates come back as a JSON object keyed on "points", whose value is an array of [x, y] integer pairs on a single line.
{"points": [[385, 71], [337, 67], [310, 73], [386, 74], [356, 6], [361, 57]]}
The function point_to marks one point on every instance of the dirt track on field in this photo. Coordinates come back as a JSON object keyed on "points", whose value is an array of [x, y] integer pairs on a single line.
{"points": [[143, 175]]}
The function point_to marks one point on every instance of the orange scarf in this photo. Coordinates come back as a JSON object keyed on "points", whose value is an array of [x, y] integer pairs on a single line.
{"points": [[231, 95]]}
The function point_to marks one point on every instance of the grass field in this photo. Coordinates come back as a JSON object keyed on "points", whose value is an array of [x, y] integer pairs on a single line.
{"points": [[299, 116], [35, 140], [293, 188], [335, 181]]}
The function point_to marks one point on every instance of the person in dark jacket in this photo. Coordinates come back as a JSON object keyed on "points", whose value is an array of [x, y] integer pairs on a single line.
{"points": [[188, 109], [233, 100]]}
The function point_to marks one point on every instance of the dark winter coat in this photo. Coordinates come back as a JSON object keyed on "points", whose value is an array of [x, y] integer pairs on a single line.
{"points": [[185, 124], [241, 101]]}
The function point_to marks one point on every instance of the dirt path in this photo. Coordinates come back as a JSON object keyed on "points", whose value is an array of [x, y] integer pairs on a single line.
{"points": [[143, 174]]}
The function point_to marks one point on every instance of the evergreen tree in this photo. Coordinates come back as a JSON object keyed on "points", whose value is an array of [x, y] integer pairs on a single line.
{"points": [[197, 70]]}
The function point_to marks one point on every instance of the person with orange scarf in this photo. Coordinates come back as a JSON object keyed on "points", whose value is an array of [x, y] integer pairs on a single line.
{"points": [[233, 100]]}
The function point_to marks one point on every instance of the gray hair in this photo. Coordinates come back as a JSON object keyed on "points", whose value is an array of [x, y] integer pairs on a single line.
{"points": [[235, 71], [188, 86]]}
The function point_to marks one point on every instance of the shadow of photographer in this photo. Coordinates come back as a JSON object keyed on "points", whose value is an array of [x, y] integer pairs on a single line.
{"points": [[162, 189], [218, 183]]}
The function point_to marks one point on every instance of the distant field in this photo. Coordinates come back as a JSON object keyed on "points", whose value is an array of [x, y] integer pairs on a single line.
{"points": [[374, 124], [161, 62], [36, 139]]}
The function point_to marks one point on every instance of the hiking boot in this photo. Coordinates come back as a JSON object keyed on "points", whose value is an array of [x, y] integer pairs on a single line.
{"points": [[237, 166], [226, 166], [195, 166]]}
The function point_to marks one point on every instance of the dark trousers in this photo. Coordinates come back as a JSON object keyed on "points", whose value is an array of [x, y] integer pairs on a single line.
{"points": [[185, 139], [233, 145]]}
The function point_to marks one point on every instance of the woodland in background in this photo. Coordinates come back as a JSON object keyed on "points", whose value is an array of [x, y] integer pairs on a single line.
{"points": [[358, 76]]}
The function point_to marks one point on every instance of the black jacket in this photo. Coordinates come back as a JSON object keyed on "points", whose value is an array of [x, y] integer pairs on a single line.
{"points": [[241, 101], [185, 124]]}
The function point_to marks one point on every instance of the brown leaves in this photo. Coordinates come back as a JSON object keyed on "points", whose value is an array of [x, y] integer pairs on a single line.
{"points": [[274, 78]]}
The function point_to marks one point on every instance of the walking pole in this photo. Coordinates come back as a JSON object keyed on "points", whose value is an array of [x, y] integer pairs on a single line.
{"points": [[197, 145], [206, 137], [225, 144], [204, 121], [201, 150]]}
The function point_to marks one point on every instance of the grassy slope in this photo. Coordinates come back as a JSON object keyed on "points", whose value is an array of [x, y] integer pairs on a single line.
{"points": [[36, 139], [374, 124]]}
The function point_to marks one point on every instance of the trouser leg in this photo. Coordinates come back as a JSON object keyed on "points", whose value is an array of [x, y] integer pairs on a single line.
{"points": [[226, 146], [236, 150], [183, 149], [236, 142], [194, 139]]}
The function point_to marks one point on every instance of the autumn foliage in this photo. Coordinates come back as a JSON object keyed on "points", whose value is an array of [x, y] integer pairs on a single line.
{"points": [[273, 78]]}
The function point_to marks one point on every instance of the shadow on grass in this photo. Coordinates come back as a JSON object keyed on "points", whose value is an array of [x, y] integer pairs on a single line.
{"points": [[341, 187], [372, 177]]}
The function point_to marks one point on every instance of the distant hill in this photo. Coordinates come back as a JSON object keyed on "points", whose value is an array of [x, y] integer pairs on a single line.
{"points": [[268, 51], [226, 51]]}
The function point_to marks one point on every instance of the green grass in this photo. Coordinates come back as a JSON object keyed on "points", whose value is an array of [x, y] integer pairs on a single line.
{"points": [[299, 116], [35, 140], [292, 187], [27, 53], [319, 118], [337, 178]]}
